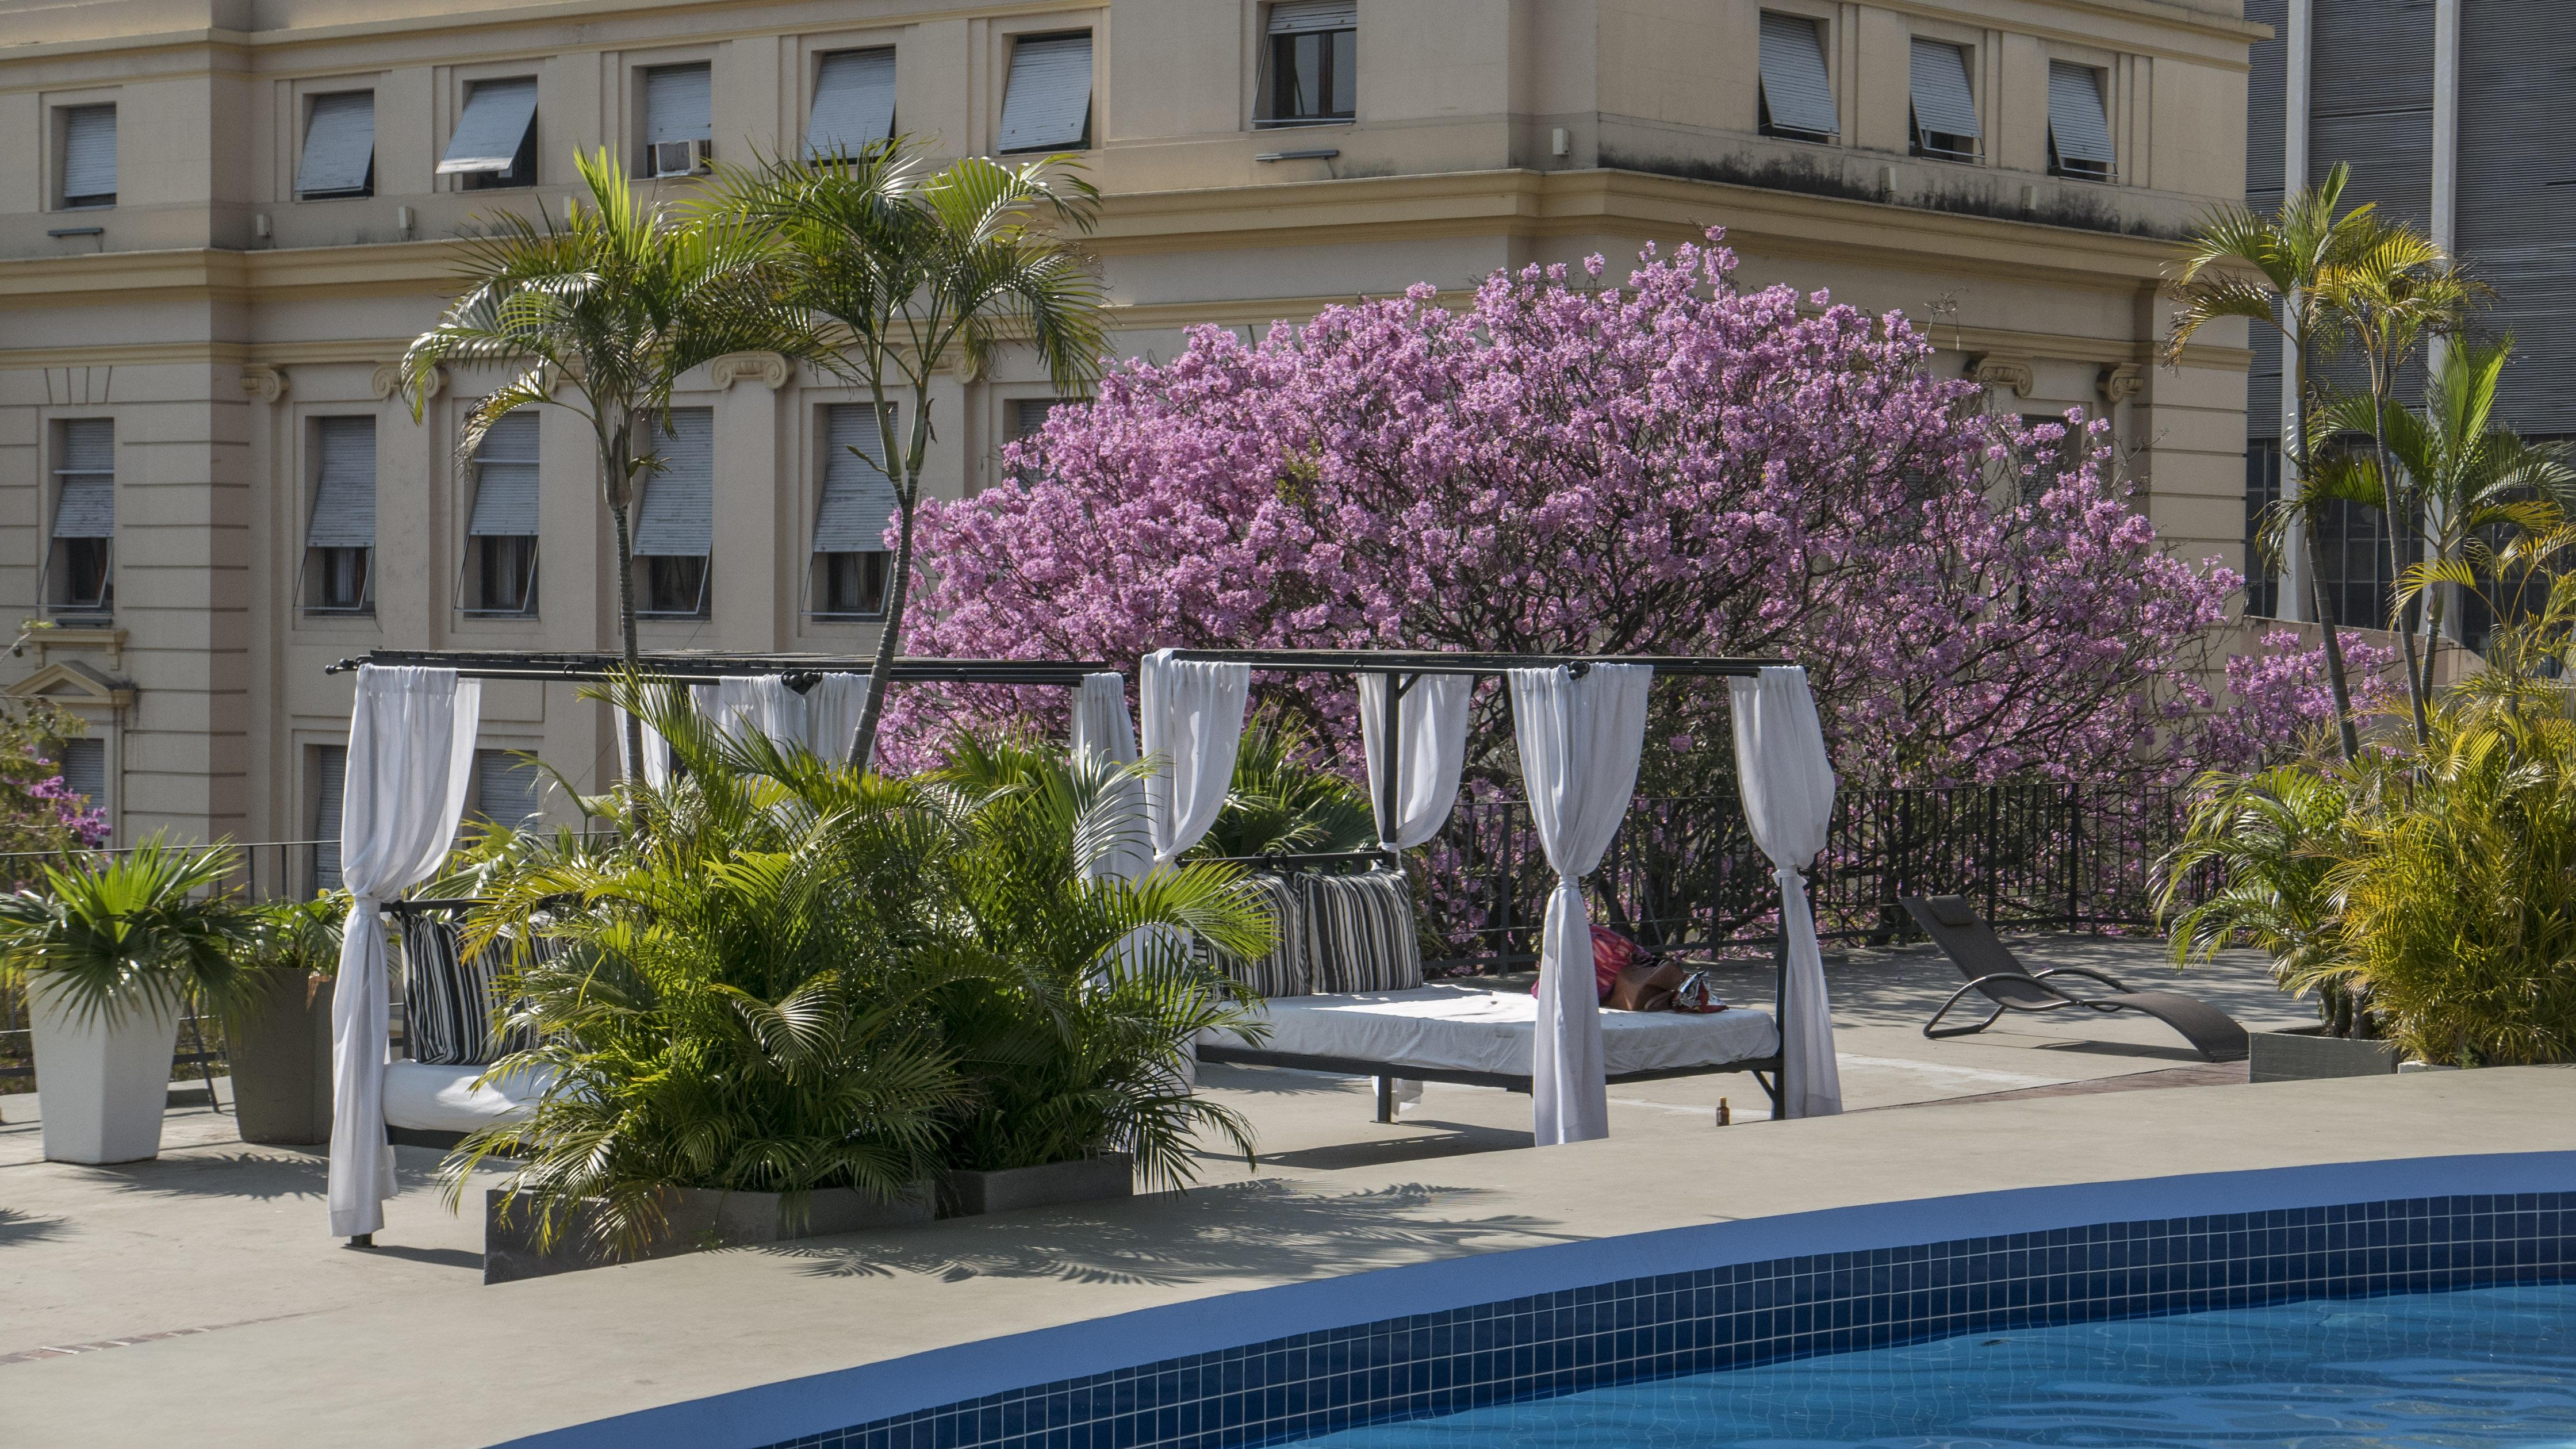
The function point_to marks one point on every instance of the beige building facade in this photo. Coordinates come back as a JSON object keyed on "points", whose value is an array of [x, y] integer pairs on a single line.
{"points": [[208, 490]]}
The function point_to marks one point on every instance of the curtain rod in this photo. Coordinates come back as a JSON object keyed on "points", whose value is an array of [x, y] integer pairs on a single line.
{"points": [[707, 668], [1413, 661]]}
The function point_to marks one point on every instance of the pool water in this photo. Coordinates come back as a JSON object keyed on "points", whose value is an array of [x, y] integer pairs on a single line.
{"points": [[2478, 1367]]}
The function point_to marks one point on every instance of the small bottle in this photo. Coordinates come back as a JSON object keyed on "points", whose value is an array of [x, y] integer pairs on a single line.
{"points": [[1725, 1117]]}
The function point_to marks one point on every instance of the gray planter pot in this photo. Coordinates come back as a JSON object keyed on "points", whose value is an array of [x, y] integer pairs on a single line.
{"points": [[2282, 1056], [698, 1218], [1085, 1179], [281, 1063]]}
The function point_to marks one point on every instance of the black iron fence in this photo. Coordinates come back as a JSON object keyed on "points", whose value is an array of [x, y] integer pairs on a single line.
{"points": [[1683, 873]]}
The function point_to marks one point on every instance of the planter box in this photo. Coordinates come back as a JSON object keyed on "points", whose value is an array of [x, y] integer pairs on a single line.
{"points": [[281, 1057], [698, 1217], [2280, 1056], [104, 1082], [1085, 1179]]}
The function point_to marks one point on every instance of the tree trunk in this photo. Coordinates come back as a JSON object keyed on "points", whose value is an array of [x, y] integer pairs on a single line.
{"points": [[907, 493], [2403, 619], [2335, 683], [620, 491]]}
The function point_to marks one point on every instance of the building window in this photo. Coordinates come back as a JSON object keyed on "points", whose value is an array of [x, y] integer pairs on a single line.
{"points": [[675, 527], [2262, 490], [853, 103], [1311, 67], [1945, 107], [857, 505], [2079, 126], [89, 156], [679, 126], [340, 543], [495, 143], [339, 147], [1047, 104], [330, 765], [508, 790], [501, 534], [80, 565], [1797, 97], [84, 771]]}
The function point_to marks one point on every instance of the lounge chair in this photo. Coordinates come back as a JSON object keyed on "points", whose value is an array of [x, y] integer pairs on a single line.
{"points": [[1996, 974]]}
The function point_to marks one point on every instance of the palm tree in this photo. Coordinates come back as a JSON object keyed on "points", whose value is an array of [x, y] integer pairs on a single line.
{"points": [[141, 931], [2289, 254], [921, 270], [602, 312], [2394, 289]]}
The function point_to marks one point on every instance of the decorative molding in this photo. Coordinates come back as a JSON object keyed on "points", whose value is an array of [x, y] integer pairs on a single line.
{"points": [[2121, 383], [767, 368], [1994, 369], [74, 685], [387, 380], [268, 384], [48, 636]]}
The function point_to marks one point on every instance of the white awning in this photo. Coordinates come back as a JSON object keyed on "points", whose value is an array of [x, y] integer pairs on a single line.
{"points": [[344, 494], [1298, 17], [89, 156], [1942, 99], [505, 480], [1794, 83], [86, 507], [858, 497], [339, 145], [678, 516], [853, 103], [494, 126], [1047, 106], [678, 101], [2077, 120]]}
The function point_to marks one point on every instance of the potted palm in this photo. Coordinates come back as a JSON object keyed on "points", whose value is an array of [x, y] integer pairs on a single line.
{"points": [[112, 951], [280, 1041]]}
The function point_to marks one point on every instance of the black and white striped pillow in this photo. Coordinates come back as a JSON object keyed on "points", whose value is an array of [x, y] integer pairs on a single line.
{"points": [[1283, 971], [1359, 933], [451, 1000]]}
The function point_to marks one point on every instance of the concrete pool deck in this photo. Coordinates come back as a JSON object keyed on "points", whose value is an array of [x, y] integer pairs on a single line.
{"points": [[276, 1335]]}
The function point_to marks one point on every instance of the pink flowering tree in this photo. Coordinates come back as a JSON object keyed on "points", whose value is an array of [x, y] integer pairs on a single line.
{"points": [[2279, 701], [1672, 466]]}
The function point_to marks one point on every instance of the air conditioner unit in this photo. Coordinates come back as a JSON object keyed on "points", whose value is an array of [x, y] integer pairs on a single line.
{"points": [[682, 158]]}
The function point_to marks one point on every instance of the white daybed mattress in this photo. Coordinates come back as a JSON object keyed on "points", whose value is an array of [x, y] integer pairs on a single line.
{"points": [[1471, 1029], [426, 1098]]}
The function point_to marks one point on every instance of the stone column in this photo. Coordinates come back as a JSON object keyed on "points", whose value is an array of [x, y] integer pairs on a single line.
{"points": [[754, 586]]}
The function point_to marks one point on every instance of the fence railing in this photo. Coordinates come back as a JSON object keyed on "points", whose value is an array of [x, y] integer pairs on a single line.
{"points": [[1683, 873]]}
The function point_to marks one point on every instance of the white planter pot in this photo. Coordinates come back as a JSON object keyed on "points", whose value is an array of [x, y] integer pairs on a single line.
{"points": [[101, 1087]]}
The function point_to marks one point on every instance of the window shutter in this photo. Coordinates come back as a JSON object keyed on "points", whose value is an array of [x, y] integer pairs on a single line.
{"points": [[84, 770], [1297, 17], [89, 155], [858, 497], [86, 507], [344, 495], [331, 774], [505, 480], [507, 789], [677, 102], [496, 120], [1047, 106], [339, 145], [678, 516], [1794, 85], [853, 102], [1029, 415], [2077, 120], [1942, 100]]}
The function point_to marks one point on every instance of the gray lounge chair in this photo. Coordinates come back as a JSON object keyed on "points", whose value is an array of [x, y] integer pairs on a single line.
{"points": [[1996, 974]]}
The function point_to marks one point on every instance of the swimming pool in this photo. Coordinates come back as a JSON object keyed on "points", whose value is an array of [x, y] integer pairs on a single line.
{"points": [[2474, 1367]]}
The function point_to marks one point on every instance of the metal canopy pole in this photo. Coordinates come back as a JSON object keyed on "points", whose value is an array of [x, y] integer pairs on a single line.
{"points": [[708, 668]]}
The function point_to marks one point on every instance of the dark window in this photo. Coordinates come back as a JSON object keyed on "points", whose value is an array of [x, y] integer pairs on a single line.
{"points": [[672, 586], [339, 582], [854, 584], [522, 172], [88, 576], [1314, 77], [2262, 490], [502, 569]]}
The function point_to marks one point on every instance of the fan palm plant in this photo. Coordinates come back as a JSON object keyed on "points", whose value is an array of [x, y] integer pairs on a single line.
{"points": [[601, 313], [1286, 798], [2266, 269], [141, 932], [918, 270]]}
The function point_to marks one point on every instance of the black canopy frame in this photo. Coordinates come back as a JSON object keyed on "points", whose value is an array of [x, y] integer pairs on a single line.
{"points": [[1402, 668], [692, 666]]}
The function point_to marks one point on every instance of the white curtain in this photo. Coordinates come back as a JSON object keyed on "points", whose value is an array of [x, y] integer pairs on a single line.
{"points": [[823, 719], [1788, 788], [1579, 741], [1191, 712], [832, 715], [411, 752], [1102, 731], [1431, 751]]}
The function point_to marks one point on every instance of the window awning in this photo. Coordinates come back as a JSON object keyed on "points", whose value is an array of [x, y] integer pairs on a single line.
{"points": [[2077, 120], [505, 480], [494, 126], [344, 495], [1047, 106], [858, 497], [853, 103], [678, 516], [678, 102], [1943, 101], [1794, 83], [1297, 17], [89, 155], [86, 507], [339, 145]]}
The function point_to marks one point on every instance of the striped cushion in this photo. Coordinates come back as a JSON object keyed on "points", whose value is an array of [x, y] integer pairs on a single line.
{"points": [[1359, 933], [451, 1001], [1283, 971]]}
